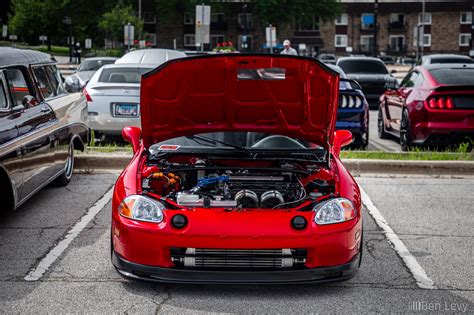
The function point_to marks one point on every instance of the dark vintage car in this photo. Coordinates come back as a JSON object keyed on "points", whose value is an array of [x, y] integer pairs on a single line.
{"points": [[353, 111], [370, 73], [40, 125]]}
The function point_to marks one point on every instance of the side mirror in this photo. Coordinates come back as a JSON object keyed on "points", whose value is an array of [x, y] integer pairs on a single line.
{"points": [[132, 135], [29, 101], [393, 71], [341, 139]]}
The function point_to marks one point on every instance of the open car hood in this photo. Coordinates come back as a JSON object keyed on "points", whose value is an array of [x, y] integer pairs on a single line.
{"points": [[286, 95]]}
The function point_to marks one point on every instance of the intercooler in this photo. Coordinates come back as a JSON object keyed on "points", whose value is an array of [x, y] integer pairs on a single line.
{"points": [[200, 258]]}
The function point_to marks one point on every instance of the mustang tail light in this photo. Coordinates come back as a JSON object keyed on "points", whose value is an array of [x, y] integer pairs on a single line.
{"points": [[350, 101], [86, 94], [441, 102]]}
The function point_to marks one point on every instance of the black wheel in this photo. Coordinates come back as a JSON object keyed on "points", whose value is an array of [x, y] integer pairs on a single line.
{"points": [[405, 135], [381, 126], [66, 176]]}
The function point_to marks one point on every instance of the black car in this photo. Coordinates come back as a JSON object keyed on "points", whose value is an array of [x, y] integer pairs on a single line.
{"points": [[40, 125], [353, 111], [370, 73]]}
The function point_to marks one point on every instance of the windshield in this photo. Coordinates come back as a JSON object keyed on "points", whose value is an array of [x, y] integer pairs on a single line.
{"points": [[94, 65], [122, 75], [236, 140], [363, 66], [464, 76], [451, 60]]}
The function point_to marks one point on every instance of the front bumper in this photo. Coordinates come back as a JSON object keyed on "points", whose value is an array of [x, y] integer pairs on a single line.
{"points": [[170, 275]]}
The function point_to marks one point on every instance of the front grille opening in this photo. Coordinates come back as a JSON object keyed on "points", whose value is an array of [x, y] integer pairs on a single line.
{"points": [[238, 259]]}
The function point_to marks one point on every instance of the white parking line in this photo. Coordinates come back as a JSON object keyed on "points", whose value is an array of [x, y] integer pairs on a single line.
{"points": [[54, 253], [422, 279]]}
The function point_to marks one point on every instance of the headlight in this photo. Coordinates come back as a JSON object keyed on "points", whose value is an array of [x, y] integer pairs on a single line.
{"points": [[334, 211], [141, 208]]}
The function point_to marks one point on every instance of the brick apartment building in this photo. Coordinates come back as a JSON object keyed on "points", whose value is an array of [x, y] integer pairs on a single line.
{"points": [[447, 28]]}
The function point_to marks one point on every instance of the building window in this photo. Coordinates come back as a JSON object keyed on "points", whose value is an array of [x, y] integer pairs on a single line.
{"points": [[427, 19], [311, 25], [342, 19], [152, 39], [149, 18], [367, 43], [426, 40], [340, 41], [367, 21], [216, 39], [464, 39], [218, 17], [397, 43], [245, 21], [188, 18], [189, 40], [466, 18]]}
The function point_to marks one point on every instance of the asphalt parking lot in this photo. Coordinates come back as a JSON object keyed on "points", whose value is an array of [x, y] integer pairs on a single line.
{"points": [[432, 216]]}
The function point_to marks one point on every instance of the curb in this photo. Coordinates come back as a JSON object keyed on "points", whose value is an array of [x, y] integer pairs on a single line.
{"points": [[107, 163]]}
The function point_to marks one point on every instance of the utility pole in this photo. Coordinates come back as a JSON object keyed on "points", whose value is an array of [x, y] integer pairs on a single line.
{"points": [[376, 11], [471, 53], [422, 35]]}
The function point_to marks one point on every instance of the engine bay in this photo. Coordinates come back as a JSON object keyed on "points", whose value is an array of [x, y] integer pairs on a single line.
{"points": [[201, 182]]}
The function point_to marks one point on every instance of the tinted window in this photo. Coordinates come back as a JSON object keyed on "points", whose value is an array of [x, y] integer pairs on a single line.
{"points": [[94, 65], [122, 75], [44, 85], [451, 60], [454, 76], [362, 66], [3, 95], [55, 79], [17, 83]]}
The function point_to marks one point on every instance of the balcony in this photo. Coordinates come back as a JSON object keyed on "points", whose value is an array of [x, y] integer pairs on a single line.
{"points": [[397, 26], [367, 27]]}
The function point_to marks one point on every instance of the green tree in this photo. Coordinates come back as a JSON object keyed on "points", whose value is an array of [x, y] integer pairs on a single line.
{"points": [[112, 22]]}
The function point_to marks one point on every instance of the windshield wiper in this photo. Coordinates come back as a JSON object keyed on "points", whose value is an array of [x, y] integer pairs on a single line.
{"points": [[214, 141]]}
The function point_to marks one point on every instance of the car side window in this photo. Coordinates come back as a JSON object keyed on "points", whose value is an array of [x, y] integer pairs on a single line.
{"points": [[18, 85], [3, 94], [409, 80], [55, 79], [44, 85]]}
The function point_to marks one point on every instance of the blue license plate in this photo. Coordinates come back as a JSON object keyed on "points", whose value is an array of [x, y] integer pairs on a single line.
{"points": [[126, 110]]}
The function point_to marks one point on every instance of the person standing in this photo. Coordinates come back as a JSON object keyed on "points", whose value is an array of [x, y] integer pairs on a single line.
{"points": [[288, 50]]}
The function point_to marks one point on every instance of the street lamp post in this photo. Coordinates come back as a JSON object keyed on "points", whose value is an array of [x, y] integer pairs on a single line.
{"points": [[68, 21], [376, 10]]}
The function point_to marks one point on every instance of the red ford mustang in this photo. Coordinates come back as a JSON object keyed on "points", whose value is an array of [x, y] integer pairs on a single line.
{"points": [[236, 176], [434, 105]]}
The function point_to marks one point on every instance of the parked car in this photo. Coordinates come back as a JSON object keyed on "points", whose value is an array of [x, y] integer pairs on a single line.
{"points": [[328, 58], [353, 111], [406, 61], [444, 58], [370, 73], [242, 187], [113, 93], [434, 105], [40, 125], [388, 60], [155, 56], [78, 80]]}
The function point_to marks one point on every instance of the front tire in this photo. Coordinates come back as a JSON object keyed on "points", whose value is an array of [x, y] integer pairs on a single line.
{"points": [[66, 176], [381, 126], [405, 135]]}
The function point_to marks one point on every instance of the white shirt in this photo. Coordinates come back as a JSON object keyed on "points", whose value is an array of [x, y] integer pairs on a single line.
{"points": [[289, 51]]}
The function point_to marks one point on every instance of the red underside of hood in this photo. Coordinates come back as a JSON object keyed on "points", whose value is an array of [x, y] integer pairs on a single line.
{"points": [[240, 93]]}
